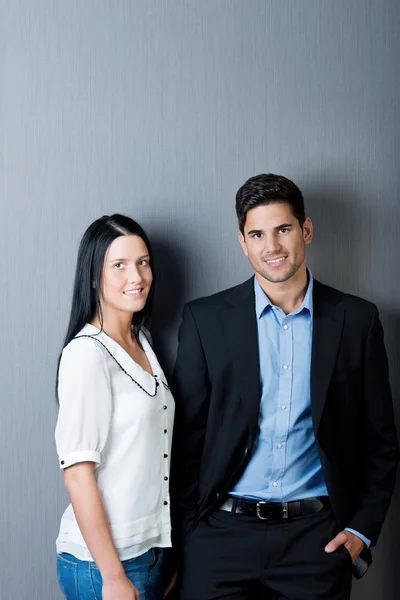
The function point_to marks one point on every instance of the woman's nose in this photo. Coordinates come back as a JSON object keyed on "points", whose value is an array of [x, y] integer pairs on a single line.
{"points": [[134, 274]]}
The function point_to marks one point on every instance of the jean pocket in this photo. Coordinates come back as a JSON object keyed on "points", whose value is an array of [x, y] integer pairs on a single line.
{"points": [[157, 556], [67, 574], [156, 575]]}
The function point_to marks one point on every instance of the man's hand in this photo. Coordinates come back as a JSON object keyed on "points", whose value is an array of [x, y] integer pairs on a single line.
{"points": [[353, 544], [172, 582]]}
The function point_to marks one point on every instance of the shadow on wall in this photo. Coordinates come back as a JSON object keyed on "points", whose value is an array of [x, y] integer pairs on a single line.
{"points": [[354, 249], [169, 299]]}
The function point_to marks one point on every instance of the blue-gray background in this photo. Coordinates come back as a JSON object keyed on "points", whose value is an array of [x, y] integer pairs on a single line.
{"points": [[161, 110]]}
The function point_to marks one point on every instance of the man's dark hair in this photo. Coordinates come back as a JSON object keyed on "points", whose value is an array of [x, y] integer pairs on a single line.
{"points": [[265, 189]]}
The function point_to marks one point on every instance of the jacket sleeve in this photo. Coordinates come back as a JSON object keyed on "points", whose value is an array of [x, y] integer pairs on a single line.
{"points": [[191, 388], [381, 445]]}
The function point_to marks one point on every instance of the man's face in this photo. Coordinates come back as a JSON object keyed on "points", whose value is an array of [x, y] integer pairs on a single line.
{"points": [[274, 242]]}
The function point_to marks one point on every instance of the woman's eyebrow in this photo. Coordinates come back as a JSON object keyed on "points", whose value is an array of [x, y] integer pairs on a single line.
{"points": [[122, 259]]}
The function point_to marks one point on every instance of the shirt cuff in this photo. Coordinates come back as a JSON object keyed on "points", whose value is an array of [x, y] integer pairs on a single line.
{"points": [[76, 457], [366, 541]]}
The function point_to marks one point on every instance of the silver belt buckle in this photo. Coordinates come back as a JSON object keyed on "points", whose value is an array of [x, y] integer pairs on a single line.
{"points": [[285, 510], [258, 505]]}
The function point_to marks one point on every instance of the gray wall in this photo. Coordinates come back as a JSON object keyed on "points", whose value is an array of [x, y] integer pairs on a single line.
{"points": [[161, 109]]}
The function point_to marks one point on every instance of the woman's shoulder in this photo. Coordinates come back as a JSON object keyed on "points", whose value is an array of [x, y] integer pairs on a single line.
{"points": [[84, 349]]}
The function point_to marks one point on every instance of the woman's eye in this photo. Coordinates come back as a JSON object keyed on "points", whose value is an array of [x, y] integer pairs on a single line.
{"points": [[118, 265], [143, 263]]}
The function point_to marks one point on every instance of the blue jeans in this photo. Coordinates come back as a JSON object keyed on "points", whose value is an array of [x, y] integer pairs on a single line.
{"points": [[81, 579]]}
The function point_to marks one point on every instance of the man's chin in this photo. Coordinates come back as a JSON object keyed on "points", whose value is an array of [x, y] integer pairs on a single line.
{"points": [[276, 277]]}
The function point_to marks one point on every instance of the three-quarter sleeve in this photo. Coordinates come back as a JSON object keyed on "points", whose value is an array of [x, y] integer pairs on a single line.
{"points": [[84, 391]]}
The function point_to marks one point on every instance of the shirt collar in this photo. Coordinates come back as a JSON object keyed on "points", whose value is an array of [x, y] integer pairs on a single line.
{"points": [[263, 302]]}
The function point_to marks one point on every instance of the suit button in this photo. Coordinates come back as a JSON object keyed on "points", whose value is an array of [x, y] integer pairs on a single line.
{"points": [[217, 496], [246, 451]]}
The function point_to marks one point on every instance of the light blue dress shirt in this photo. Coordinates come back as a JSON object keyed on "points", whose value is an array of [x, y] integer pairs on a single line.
{"points": [[285, 464]]}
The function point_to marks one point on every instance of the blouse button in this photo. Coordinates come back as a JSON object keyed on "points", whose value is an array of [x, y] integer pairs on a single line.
{"points": [[165, 431], [62, 462], [165, 455], [165, 478], [165, 407], [165, 503]]}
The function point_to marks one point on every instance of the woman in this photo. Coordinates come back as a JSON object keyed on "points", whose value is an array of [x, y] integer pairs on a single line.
{"points": [[114, 427]]}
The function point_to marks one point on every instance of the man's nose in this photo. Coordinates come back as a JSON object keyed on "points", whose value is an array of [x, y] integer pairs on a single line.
{"points": [[272, 244]]}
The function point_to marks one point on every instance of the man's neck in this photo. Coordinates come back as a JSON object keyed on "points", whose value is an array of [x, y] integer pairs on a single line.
{"points": [[287, 295]]}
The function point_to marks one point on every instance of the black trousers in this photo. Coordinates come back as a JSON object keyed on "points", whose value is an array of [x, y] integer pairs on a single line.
{"points": [[236, 557]]}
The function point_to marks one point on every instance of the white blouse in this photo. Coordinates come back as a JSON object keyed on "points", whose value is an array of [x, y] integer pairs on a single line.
{"points": [[115, 414]]}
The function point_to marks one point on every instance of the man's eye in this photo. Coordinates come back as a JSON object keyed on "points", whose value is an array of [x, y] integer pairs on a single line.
{"points": [[283, 230], [256, 236]]}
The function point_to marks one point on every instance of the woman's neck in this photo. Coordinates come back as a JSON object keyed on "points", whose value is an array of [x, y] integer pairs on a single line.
{"points": [[116, 325]]}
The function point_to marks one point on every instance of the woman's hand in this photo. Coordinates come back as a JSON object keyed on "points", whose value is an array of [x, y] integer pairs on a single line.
{"points": [[119, 588]]}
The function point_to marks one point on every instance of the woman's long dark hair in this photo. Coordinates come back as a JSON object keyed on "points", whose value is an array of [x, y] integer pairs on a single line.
{"points": [[89, 268]]}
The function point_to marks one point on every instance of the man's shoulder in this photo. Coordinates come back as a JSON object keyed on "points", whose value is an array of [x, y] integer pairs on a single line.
{"points": [[350, 301], [217, 299]]}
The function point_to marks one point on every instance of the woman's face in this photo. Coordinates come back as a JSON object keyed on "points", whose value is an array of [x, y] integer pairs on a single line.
{"points": [[127, 276]]}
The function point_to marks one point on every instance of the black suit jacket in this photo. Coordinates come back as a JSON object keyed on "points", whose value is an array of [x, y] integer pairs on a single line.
{"points": [[216, 384]]}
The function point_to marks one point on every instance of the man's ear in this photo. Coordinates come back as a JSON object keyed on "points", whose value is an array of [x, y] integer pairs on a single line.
{"points": [[242, 242], [308, 231]]}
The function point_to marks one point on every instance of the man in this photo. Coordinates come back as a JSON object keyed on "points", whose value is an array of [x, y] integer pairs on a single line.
{"points": [[285, 446]]}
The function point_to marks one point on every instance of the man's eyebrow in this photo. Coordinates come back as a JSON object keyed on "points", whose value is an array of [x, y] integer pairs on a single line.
{"points": [[253, 231], [283, 226]]}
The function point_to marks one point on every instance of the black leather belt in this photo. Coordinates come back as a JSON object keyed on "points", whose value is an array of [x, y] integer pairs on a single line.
{"points": [[276, 511]]}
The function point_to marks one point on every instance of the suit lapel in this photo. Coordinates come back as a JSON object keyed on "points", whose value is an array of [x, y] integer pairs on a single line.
{"points": [[240, 331], [239, 324], [327, 332]]}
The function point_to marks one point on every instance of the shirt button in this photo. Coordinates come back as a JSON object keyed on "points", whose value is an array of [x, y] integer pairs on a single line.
{"points": [[165, 431], [165, 478], [285, 367], [165, 407], [279, 446], [285, 327], [283, 407], [275, 484], [165, 455], [62, 462], [165, 503]]}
